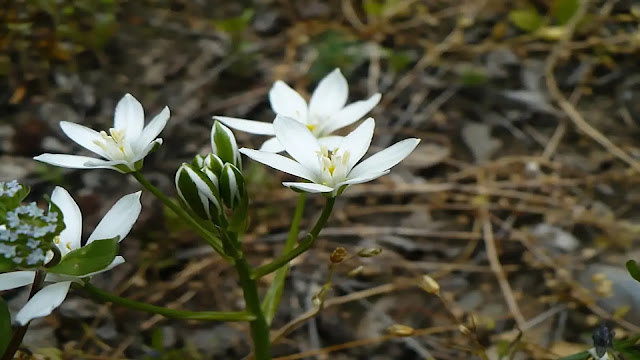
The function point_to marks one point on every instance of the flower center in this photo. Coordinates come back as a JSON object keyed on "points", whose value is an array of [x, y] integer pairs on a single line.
{"points": [[334, 165], [114, 144], [315, 124]]}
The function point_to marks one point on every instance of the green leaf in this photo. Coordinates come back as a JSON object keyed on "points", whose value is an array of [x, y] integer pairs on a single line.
{"points": [[563, 10], [526, 19], [620, 345], [89, 258], [633, 269], [236, 24], [5, 326]]}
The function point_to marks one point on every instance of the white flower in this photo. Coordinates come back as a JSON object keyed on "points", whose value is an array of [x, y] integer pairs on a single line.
{"points": [[330, 170], [325, 113], [593, 352], [117, 222], [123, 147]]}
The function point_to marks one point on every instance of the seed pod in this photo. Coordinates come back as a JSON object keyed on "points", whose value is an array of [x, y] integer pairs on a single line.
{"points": [[430, 285], [369, 252], [400, 330], [338, 255]]}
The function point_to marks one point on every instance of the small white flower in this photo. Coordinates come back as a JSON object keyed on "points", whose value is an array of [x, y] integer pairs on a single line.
{"points": [[124, 146], [330, 170], [325, 113], [117, 222]]}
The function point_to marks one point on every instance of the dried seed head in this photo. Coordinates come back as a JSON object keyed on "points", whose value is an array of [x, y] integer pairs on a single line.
{"points": [[355, 272], [369, 252], [338, 255], [400, 330], [430, 285]]}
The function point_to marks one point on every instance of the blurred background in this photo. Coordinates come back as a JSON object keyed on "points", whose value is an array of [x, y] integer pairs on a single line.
{"points": [[521, 201]]}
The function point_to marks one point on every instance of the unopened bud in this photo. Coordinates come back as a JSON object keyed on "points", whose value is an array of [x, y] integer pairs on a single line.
{"points": [[369, 252], [400, 330], [223, 144], [338, 255], [355, 272], [198, 192], [213, 163], [232, 187], [198, 161], [430, 285]]}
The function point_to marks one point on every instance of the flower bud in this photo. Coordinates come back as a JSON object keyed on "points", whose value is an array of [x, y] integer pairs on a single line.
{"points": [[430, 285], [198, 192], [198, 161], [213, 163], [232, 187], [223, 144], [400, 330]]}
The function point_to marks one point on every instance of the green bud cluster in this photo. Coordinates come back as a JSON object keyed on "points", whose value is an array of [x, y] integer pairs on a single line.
{"points": [[27, 234], [214, 180]]}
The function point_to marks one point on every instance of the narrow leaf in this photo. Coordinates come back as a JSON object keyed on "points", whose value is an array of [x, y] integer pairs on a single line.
{"points": [[526, 19]]}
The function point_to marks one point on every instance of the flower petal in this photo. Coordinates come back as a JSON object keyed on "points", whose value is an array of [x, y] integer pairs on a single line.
{"points": [[83, 136], [129, 116], [43, 302], [279, 162], [272, 145], [298, 141], [308, 187], [16, 279], [363, 179], [145, 151], [70, 236], [357, 142], [331, 142], [330, 95], [351, 113], [152, 130], [248, 126], [385, 159], [68, 161], [119, 219], [286, 101]]}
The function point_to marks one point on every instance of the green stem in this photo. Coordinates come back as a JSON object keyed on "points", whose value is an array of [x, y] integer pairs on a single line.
{"points": [[301, 248], [259, 326], [274, 293], [210, 238], [18, 333], [170, 313]]}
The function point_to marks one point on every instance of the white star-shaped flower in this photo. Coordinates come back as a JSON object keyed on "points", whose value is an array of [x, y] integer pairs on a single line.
{"points": [[123, 147], [117, 222], [330, 170], [325, 113]]}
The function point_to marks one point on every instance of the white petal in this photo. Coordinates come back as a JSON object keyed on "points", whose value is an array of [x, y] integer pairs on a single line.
{"points": [[330, 95], [286, 101], [84, 136], [144, 152], [129, 116], [152, 130], [119, 219], [308, 187], [331, 142], [272, 145], [248, 126], [43, 302], [351, 113], [16, 279], [298, 141], [279, 162], [357, 142], [385, 159], [68, 161], [70, 236], [363, 179]]}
